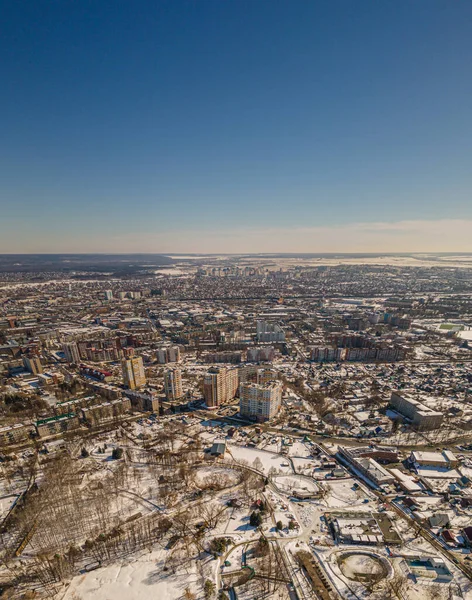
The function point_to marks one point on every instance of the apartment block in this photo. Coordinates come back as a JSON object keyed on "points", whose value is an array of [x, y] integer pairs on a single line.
{"points": [[168, 354], [14, 434], [59, 424], [106, 411], [133, 372], [261, 354], [269, 332], [220, 385], [222, 357], [421, 416], [173, 384], [33, 364], [266, 375], [261, 401], [146, 401]]}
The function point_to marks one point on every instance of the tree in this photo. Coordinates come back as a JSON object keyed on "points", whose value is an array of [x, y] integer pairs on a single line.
{"points": [[257, 464], [262, 547], [223, 595], [84, 452], [211, 514], [219, 545], [189, 595], [209, 589], [255, 520], [279, 525], [117, 453], [291, 524]]}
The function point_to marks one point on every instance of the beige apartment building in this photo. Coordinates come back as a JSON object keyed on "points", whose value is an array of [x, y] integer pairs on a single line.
{"points": [[33, 364], [220, 385], [133, 372], [59, 424], [173, 384], [13, 434], [261, 401]]}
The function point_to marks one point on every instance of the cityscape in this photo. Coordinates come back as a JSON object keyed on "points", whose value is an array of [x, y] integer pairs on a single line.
{"points": [[236, 300], [237, 427]]}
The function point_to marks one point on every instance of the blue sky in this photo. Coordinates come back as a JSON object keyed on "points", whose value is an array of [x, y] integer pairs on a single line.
{"points": [[232, 125]]}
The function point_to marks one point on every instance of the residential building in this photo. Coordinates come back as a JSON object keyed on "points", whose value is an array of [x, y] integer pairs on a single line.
{"points": [[421, 416], [261, 401], [168, 354], [72, 406], [33, 364], [220, 385], [105, 411], [13, 434], [173, 384], [146, 400], [261, 354], [72, 352], [133, 373], [266, 375], [248, 373], [59, 424], [327, 354], [269, 332], [222, 357]]}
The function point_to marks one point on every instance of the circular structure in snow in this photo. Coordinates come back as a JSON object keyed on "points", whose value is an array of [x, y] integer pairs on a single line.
{"points": [[297, 486], [363, 566], [217, 478]]}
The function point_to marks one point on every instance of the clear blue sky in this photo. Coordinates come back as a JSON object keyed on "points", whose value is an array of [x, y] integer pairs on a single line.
{"points": [[130, 125]]}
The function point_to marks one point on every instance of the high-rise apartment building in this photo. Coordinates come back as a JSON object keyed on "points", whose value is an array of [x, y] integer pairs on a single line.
{"points": [[260, 401], [72, 352], [168, 354], [232, 383], [108, 295], [220, 385], [173, 384], [33, 364], [133, 372]]}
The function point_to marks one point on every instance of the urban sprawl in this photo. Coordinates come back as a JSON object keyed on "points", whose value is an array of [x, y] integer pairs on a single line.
{"points": [[236, 427]]}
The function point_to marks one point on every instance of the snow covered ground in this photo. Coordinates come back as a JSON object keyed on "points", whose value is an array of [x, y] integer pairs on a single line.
{"points": [[268, 460], [141, 578], [341, 494], [291, 484]]}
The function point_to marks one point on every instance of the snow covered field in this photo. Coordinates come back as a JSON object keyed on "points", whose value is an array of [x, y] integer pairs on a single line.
{"points": [[267, 459], [141, 578]]}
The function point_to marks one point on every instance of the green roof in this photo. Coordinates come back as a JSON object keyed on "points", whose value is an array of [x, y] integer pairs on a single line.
{"points": [[52, 419]]}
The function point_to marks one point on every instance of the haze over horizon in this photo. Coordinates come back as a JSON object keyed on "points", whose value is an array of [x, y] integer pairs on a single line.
{"points": [[235, 127]]}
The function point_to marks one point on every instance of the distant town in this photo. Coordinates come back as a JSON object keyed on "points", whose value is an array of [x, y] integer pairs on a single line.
{"points": [[244, 427]]}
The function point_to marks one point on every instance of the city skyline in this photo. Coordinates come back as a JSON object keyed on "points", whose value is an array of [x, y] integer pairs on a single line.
{"points": [[180, 127]]}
